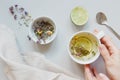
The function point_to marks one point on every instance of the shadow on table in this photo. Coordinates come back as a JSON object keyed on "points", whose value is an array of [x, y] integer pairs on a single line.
{"points": [[76, 28], [43, 48], [99, 65]]}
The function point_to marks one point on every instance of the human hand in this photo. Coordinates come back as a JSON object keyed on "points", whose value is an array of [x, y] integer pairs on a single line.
{"points": [[111, 56], [91, 74]]}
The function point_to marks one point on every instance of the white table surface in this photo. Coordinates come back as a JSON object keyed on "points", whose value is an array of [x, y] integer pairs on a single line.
{"points": [[59, 11]]}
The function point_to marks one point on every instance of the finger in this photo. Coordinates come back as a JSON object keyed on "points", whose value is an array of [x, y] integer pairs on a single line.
{"points": [[108, 43], [103, 77], [100, 76], [104, 52], [88, 73], [95, 72], [119, 50]]}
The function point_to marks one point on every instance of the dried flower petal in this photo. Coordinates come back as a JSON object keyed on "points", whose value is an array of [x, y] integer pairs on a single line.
{"points": [[15, 17], [11, 10], [29, 37], [26, 13], [16, 5], [21, 10]]}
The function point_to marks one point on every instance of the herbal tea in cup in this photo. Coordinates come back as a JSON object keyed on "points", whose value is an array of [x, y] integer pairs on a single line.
{"points": [[83, 47]]}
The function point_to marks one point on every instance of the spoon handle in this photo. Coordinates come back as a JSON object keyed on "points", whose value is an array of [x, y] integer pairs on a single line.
{"points": [[116, 34]]}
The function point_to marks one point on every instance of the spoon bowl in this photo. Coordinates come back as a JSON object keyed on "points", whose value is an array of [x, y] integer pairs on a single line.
{"points": [[102, 20]]}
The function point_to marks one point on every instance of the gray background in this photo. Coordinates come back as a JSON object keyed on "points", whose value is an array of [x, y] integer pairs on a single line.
{"points": [[59, 12]]}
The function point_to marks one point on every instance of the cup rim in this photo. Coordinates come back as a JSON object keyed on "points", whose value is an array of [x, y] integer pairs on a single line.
{"points": [[34, 38], [80, 61]]}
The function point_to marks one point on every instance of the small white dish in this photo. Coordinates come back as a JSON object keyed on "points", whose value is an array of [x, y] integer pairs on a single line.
{"points": [[34, 37]]}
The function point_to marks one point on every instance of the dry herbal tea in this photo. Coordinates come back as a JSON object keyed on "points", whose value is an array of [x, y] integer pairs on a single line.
{"points": [[20, 15], [43, 30]]}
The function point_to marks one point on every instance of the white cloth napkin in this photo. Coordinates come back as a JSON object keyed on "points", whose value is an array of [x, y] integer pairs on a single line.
{"points": [[27, 66]]}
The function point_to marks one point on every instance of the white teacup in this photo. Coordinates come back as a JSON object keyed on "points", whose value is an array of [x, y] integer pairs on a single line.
{"points": [[83, 46]]}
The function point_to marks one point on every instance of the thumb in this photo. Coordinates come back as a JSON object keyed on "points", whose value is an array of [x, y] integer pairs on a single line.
{"points": [[103, 77], [104, 52]]}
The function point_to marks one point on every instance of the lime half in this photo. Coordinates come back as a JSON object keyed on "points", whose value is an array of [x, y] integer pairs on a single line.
{"points": [[79, 16]]}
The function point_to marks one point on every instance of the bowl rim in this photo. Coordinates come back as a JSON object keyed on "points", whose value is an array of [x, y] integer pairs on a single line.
{"points": [[34, 38]]}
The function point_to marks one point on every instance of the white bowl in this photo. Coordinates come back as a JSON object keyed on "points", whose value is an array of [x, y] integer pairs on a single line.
{"points": [[33, 36]]}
